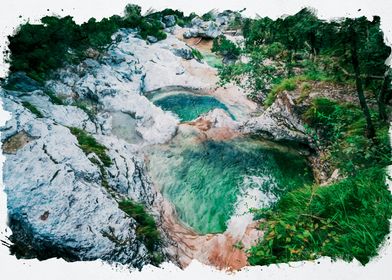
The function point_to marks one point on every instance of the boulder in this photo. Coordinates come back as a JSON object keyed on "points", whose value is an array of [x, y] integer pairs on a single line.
{"points": [[279, 122], [152, 39], [169, 20], [204, 29], [184, 53]]}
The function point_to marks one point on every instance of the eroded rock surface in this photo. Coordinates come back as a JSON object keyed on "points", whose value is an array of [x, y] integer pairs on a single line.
{"points": [[57, 205]]}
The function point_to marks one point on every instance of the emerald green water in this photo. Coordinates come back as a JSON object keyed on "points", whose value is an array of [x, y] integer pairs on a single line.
{"points": [[189, 106], [205, 179]]}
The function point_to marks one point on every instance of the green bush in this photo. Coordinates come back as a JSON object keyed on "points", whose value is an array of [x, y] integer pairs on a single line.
{"points": [[225, 47], [341, 128], [89, 145], [273, 50], [208, 16], [348, 219]]}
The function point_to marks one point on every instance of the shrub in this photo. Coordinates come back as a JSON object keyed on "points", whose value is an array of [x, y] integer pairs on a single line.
{"points": [[340, 128], [208, 16], [38, 49], [273, 50], [225, 47]]}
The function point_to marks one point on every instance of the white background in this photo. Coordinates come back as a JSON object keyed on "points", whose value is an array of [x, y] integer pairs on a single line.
{"points": [[81, 10]]}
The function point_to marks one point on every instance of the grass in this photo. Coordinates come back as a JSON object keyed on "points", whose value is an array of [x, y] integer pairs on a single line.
{"points": [[311, 72], [197, 54], [84, 107], [146, 229], [340, 127], [89, 145], [346, 220], [289, 84], [32, 109], [53, 98]]}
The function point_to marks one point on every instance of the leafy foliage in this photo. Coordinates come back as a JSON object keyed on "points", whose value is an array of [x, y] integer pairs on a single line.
{"points": [[39, 48], [340, 128], [303, 44], [348, 219], [225, 47]]}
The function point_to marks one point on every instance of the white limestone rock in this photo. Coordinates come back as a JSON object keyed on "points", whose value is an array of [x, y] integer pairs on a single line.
{"points": [[56, 202], [279, 122]]}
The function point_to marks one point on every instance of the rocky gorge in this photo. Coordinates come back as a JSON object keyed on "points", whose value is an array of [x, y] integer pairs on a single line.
{"points": [[196, 155]]}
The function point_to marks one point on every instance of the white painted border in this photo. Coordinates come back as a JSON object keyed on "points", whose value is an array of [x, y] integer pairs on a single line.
{"points": [[11, 268]]}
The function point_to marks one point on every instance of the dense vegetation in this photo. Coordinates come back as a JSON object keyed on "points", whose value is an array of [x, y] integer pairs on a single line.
{"points": [[346, 51], [345, 220], [39, 48], [349, 218], [225, 47]]}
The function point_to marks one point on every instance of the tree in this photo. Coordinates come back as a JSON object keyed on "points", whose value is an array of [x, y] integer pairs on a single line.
{"points": [[384, 96], [370, 132], [225, 47]]}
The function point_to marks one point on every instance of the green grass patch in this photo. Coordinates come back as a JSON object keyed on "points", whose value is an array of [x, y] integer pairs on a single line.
{"points": [[197, 54], [53, 98], [289, 84], [86, 107], [89, 145], [146, 229], [346, 220], [32, 109]]}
